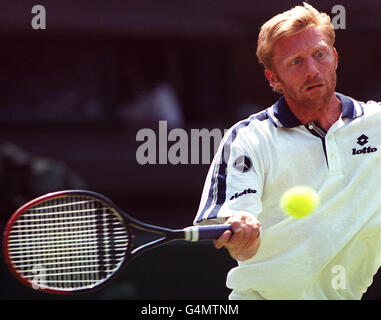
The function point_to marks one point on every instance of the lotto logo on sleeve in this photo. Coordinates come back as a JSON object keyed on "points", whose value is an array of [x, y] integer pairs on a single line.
{"points": [[246, 191]]}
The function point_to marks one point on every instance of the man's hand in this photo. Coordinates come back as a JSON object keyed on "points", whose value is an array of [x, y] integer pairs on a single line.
{"points": [[243, 244]]}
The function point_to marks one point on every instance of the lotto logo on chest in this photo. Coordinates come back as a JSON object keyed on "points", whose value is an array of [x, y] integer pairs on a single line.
{"points": [[362, 141]]}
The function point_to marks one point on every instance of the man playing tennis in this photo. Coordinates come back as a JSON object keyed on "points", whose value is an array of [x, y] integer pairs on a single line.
{"points": [[311, 136]]}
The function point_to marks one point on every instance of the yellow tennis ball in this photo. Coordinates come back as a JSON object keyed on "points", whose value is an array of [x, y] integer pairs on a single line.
{"points": [[299, 202]]}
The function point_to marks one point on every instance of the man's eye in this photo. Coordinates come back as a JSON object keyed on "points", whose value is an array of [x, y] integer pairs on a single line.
{"points": [[295, 61], [320, 54]]}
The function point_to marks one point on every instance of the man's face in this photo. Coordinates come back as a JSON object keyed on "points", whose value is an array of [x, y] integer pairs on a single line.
{"points": [[304, 69]]}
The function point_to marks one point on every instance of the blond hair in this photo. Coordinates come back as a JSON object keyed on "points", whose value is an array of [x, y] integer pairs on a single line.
{"points": [[288, 23]]}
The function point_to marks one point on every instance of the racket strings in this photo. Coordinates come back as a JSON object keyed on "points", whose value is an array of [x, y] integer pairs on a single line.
{"points": [[68, 243]]}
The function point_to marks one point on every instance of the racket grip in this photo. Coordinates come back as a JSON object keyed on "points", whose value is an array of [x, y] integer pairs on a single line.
{"points": [[206, 232]]}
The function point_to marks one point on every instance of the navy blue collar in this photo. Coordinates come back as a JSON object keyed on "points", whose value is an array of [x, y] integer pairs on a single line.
{"points": [[287, 119]]}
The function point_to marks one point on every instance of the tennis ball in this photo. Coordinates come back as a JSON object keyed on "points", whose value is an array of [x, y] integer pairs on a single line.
{"points": [[299, 202]]}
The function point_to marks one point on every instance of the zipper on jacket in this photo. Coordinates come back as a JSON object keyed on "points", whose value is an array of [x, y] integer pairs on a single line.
{"points": [[320, 133]]}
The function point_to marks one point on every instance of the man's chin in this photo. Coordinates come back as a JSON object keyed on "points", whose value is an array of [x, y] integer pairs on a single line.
{"points": [[317, 99], [313, 100]]}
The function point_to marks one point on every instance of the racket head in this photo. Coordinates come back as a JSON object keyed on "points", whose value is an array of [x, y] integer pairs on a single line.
{"points": [[67, 242]]}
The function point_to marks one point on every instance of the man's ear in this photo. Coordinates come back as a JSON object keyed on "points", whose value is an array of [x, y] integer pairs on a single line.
{"points": [[273, 79], [336, 57]]}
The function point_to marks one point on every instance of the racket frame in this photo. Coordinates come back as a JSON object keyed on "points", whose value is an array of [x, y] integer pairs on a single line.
{"points": [[128, 221]]}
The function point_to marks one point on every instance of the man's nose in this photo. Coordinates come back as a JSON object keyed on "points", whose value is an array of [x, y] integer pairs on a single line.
{"points": [[311, 68]]}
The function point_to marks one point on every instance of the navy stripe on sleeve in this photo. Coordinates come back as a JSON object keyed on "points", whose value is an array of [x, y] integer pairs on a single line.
{"points": [[217, 191]]}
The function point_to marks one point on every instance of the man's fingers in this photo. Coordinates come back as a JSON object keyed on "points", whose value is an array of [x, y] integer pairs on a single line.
{"points": [[223, 239], [244, 235], [252, 237], [240, 233], [242, 242]]}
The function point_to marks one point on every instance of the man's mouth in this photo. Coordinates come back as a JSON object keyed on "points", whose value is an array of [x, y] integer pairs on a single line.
{"points": [[314, 86]]}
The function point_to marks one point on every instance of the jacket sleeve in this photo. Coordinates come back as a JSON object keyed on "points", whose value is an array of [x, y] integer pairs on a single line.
{"points": [[234, 181]]}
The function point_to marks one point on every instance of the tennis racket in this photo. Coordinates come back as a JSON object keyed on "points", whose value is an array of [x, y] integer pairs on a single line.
{"points": [[76, 241]]}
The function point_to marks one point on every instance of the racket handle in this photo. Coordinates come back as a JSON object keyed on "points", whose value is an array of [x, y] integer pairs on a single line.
{"points": [[206, 232]]}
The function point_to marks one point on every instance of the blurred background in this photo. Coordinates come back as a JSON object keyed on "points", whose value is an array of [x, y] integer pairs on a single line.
{"points": [[74, 96]]}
